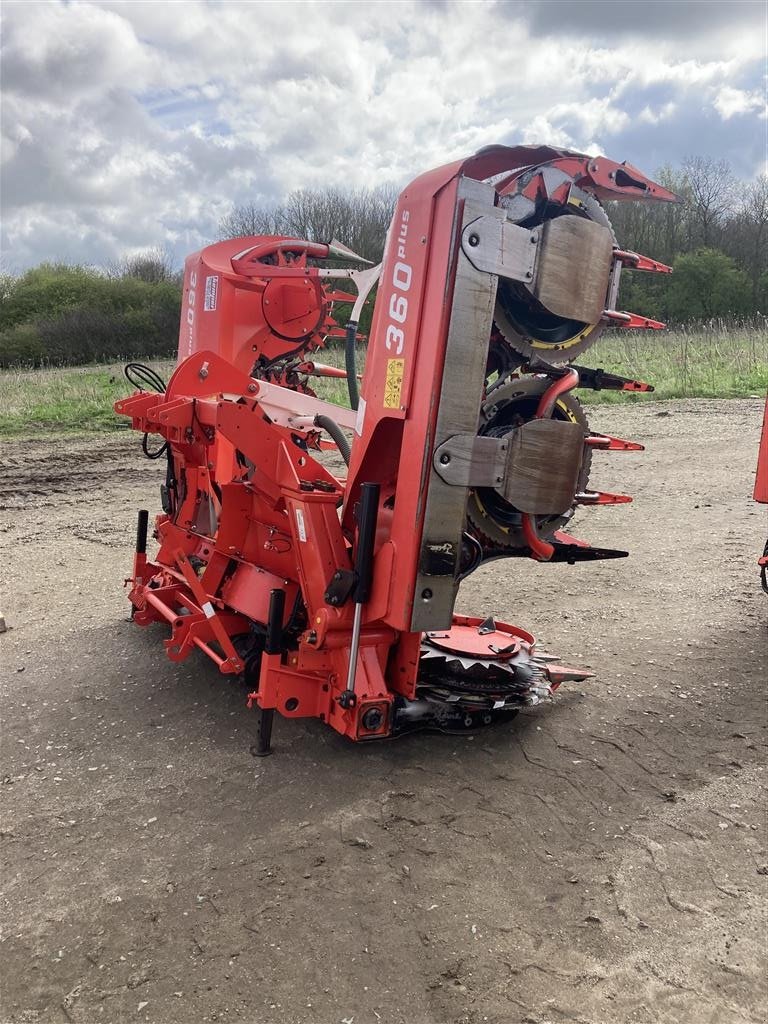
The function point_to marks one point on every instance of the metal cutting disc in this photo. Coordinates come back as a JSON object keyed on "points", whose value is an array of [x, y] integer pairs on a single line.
{"points": [[529, 328], [508, 405], [477, 672], [479, 659], [478, 640]]}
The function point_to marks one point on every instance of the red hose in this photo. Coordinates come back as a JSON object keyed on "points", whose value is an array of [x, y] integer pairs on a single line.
{"points": [[541, 550], [561, 386]]}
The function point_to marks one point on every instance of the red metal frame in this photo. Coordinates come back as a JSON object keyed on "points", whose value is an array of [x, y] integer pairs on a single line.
{"points": [[254, 511]]}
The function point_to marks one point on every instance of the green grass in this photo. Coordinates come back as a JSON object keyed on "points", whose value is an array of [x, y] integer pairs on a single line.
{"points": [[717, 362], [64, 399]]}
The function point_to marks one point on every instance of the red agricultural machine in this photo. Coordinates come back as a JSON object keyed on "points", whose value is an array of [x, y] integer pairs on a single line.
{"points": [[332, 593]]}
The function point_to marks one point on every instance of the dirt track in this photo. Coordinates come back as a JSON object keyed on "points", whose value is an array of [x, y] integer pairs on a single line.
{"points": [[602, 860]]}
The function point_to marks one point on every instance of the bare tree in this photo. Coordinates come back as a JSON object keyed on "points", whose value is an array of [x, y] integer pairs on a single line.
{"points": [[250, 219], [357, 217], [153, 266], [753, 219], [712, 192]]}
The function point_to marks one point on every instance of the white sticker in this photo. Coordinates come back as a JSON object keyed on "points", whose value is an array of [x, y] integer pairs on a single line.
{"points": [[301, 527], [211, 292], [208, 609], [360, 419]]}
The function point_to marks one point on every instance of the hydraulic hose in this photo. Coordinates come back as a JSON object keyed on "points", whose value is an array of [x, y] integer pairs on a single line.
{"points": [[338, 435], [349, 363]]}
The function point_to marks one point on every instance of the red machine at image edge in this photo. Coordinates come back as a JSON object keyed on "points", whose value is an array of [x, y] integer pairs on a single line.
{"points": [[760, 492]]}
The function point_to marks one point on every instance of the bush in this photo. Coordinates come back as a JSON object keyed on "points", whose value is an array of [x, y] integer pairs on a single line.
{"points": [[707, 284], [21, 346], [69, 315]]}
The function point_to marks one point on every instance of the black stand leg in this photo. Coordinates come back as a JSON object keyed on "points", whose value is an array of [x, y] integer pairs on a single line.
{"points": [[273, 645], [141, 532], [263, 747]]}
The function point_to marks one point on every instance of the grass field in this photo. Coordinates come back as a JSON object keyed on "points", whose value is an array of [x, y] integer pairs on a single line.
{"points": [[718, 362]]}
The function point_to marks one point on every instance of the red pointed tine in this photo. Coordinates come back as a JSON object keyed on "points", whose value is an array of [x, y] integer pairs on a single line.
{"points": [[606, 443], [601, 498], [632, 320], [634, 261]]}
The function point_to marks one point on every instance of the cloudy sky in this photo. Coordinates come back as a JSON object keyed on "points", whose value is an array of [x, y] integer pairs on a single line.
{"points": [[127, 125]]}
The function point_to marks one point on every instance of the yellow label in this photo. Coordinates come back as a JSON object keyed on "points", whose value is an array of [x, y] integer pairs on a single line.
{"points": [[393, 385]]}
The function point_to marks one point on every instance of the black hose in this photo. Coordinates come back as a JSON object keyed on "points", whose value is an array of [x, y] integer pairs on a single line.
{"points": [[349, 363], [157, 453], [336, 433], [143, 377], [477, 556]]}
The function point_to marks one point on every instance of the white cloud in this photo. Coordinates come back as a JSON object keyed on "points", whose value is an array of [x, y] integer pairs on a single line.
{"points": [[651, 115], [129, 124], [729, 102]]}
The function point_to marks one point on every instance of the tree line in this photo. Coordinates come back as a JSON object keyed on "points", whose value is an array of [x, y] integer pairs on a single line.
{"points": [[357, 217], [716, 239]]}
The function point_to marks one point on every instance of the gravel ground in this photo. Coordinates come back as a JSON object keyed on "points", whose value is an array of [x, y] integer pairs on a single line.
{"points": [[600, 860]]}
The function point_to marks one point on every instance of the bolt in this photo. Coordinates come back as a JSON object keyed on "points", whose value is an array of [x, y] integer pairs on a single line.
{"points": [[534, 238], [426, 594], [253, 388], [474, 240], [445, 458]]}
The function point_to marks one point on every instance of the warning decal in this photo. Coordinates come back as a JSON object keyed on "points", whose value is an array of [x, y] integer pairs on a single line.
{"points": [[300, 526], [211, 293], [360, 418], [393, 385]]}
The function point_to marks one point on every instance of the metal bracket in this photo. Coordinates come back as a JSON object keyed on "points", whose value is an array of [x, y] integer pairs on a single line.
{"points": [[466, 460], [340, 587], [567, 263], [535, 467], [494, 245]]}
